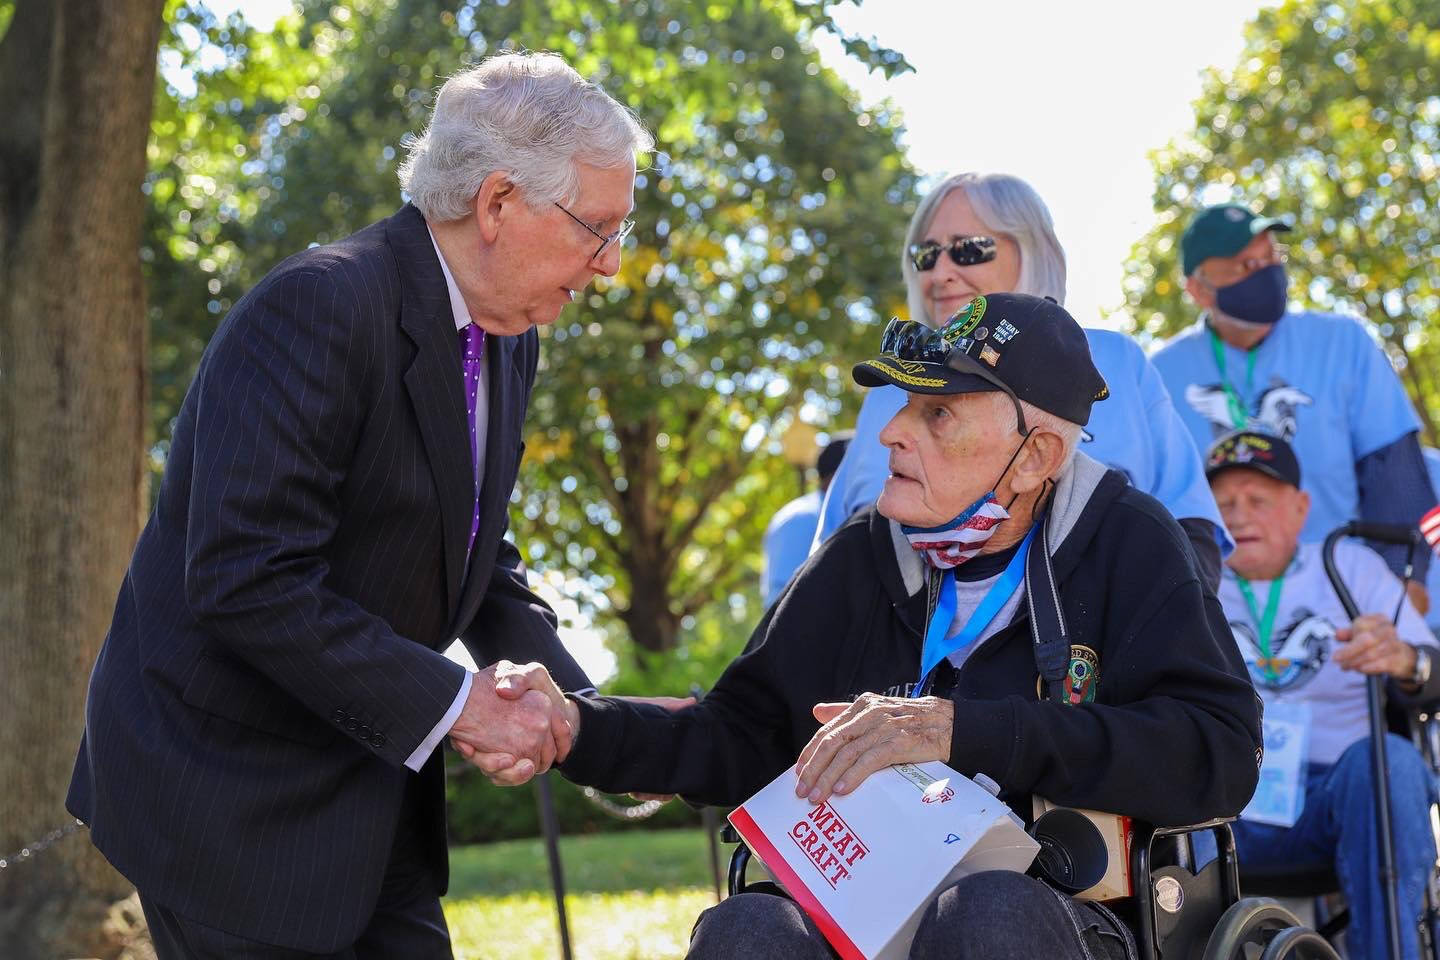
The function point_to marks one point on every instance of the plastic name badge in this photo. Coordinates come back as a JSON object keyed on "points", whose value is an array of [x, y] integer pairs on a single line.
{"points": [[1280, 795], [866, 865]]}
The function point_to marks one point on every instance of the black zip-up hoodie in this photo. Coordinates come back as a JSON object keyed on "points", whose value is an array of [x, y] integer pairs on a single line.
{"points": [[1172, 737]]}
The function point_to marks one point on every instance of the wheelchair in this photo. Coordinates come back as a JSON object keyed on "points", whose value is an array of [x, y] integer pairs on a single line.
{"points": [[1184, 914]]}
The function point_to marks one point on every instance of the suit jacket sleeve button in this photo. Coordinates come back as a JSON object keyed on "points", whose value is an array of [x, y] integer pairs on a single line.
{"points": [[363, 732], [338, 716], [351, 723], [378, 741]]}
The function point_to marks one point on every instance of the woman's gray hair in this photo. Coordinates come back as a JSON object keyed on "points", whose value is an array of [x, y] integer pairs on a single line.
{"points": [[528, 114], [1006, 205]]}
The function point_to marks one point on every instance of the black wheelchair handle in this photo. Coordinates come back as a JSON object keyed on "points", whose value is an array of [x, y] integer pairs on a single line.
{"points": [[1383, 532]]}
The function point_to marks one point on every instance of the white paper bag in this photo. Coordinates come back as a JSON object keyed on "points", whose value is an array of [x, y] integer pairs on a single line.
{"points": [[866, 865]]}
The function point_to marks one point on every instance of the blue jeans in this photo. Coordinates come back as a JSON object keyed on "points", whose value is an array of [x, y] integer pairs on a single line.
{"points": [[995, 915], [1337, 828]]}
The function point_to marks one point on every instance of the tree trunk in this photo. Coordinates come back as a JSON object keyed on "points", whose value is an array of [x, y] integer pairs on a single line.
{"points": [[77, 84]]}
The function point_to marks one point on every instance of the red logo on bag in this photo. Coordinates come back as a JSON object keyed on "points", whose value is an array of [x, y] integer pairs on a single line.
{"points": [[828, 843], [944, 795]]}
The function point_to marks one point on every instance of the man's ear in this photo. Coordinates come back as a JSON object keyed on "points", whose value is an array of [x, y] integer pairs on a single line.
{"points": [[1203, 296], [1302, 506], [495, 202], [1041, 459]]}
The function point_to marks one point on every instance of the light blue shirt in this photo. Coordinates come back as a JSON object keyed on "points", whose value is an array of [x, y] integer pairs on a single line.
{"points": [[1318, 381], [787, 543], [1135, 430]]}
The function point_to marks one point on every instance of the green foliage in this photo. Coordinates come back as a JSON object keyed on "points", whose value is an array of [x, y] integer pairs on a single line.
{"points": [[769, 225], [766, 255], [480, 812], [1332, 118]]}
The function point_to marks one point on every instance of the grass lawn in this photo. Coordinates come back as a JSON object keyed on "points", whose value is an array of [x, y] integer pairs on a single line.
{"points": [[629, 896]]}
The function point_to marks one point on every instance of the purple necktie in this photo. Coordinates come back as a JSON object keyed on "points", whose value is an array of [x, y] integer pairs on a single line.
{"points": [[472, 338]]}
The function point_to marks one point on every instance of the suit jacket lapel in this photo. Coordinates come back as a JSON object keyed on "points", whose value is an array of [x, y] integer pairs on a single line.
{"points": [[433, 380], [501, 447]]}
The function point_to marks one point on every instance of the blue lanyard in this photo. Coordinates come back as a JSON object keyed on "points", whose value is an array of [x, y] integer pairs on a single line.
{"points": [[937, 647]]}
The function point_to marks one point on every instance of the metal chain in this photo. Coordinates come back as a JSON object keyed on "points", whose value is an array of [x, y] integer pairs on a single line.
{"points": [[638, 811], [44, 843]]}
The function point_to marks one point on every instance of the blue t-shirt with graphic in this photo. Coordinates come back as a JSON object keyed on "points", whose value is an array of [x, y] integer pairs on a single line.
{"points": [[1135, 430], [1317, 380]]}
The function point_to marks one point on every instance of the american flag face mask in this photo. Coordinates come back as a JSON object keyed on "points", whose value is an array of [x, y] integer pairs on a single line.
{"points": [[947, 546]]}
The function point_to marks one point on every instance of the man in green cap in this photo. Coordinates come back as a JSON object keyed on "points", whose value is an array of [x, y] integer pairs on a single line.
{"points": [[1312, 379]]}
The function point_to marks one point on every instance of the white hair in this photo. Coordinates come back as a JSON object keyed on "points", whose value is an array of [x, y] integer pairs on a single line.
{"points": [[1007, 205], [1003, 410], [528, 114], [1068, 431]]}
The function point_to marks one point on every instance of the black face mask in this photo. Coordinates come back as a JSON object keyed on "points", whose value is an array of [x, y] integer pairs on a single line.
{"points": [[1259, 298]]}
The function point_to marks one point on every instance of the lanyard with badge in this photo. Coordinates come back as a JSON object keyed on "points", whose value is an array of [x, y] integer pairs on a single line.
{"points": [[937, 646], [1233, 399], [1264, 622], [1280, 794]]}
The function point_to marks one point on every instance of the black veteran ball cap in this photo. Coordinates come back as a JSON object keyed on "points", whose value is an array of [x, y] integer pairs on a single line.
{"points": [[1024, 346], [1253, 450]]}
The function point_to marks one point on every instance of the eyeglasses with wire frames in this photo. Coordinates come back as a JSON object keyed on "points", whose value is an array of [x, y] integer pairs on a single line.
{"points": [[963, 251], [918, 342], [617, 237]]}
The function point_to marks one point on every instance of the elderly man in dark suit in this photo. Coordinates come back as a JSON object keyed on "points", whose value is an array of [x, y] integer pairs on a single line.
{"points": [[260, 742]]}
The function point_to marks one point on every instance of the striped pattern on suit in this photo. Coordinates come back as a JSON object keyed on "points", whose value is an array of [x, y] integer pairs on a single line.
{"points": [[273, 657]]}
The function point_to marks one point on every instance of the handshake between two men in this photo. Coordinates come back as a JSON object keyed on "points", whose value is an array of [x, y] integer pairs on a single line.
{"points": [[516, 724]]}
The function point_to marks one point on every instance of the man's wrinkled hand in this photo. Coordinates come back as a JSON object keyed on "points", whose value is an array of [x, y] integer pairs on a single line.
{"points": [[1370, 645], [874, 732], [511, 727]]}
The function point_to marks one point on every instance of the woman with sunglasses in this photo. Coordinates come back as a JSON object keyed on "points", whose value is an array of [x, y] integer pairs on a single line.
{"points": [[991, 233]]}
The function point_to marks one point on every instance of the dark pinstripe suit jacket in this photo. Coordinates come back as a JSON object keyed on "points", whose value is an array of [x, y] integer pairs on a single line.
{"points": [[273, 660]]}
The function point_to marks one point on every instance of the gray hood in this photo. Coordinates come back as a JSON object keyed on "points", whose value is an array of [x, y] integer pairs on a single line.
{"points": [[1073, 489]]}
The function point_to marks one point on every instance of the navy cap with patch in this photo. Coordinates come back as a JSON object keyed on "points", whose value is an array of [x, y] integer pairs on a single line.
{"points": [[1028, 347], [1222, 231], [1253, 450]]}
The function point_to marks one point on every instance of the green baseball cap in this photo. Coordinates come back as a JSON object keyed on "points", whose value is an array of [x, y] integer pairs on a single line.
{"points": [[1222, 231]]}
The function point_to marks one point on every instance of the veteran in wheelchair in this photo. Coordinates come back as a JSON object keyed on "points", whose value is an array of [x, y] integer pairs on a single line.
{"points": [[1309, 659], [1009, 606]]}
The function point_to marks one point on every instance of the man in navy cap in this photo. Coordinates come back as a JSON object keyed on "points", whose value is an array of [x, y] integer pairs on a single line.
{"points": [[1308, 660], [907, 637], [1315, 380]]}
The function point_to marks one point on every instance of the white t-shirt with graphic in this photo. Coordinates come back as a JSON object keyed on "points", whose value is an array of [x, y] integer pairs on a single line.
{"points": [[1318, 381], [1301, 666]]}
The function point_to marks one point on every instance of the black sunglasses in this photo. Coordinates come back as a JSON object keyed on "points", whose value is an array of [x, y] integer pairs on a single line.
{"points": [[918, 342], [964, 251]]}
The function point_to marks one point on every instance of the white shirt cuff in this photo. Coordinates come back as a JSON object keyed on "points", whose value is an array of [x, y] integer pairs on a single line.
{"points": [[428, 745]]}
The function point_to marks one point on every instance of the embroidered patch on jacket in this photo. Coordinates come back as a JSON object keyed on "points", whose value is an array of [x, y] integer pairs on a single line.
{"points": [[1081, 677]]}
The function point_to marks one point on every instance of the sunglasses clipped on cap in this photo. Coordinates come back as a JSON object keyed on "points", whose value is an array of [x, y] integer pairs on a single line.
{"points": [[915, 341], [964, 251]]}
